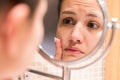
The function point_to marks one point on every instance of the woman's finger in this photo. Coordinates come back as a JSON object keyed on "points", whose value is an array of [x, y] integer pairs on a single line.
{"points": [[58, 54]]}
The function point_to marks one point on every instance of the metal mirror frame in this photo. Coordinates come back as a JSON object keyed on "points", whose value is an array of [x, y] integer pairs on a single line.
{"points": [[85, 61]]}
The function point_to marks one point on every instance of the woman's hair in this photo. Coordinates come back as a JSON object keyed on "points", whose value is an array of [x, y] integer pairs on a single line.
{"points": [[59, 6], [10, 3]]}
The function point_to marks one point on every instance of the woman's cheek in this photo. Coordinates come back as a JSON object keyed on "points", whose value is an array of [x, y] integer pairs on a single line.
{"points": [[95, 39]]}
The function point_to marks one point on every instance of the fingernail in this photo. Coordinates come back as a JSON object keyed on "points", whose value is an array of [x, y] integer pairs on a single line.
{"points": [[55, 39]]}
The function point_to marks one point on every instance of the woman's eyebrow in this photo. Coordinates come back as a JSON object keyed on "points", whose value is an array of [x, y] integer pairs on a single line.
{"points": [[94, 15], [98, 16], [68, 12], [89, 14]]}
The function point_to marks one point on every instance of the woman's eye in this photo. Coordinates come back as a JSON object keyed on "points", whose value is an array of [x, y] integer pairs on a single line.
{"points": [[68, 21], [93, 25]]}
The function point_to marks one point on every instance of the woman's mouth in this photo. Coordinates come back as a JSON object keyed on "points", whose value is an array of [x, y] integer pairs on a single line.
{"points": [[74, 50]]}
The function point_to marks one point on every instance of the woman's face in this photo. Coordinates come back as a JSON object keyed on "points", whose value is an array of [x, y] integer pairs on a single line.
{"points": [[80, 27]]}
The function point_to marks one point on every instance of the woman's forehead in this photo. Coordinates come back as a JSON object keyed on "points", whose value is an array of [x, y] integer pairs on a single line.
{"points": [[87, 6], [84, 3]]}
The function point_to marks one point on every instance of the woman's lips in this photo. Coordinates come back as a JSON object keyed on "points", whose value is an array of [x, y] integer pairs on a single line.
{"points": [[74, 50]]}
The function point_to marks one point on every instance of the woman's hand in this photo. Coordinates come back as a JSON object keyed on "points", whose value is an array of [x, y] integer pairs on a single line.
{"points": [[58, 54]]}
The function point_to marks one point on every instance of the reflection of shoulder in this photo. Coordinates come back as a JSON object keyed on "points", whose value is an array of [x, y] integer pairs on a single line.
{"points": [[43, 65], [39, 60]]}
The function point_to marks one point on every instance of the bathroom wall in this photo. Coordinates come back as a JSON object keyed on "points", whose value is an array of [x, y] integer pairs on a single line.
{"points": [[112, 63]]}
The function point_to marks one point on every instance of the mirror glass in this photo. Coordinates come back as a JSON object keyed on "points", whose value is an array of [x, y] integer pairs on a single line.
{"points": [[73, 28]]}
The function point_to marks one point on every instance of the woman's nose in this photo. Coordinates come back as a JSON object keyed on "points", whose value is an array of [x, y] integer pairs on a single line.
{"points": [[77, 34]]}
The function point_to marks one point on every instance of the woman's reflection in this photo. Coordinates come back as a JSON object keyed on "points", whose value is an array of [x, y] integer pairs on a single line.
{"points": [[79, 29]]}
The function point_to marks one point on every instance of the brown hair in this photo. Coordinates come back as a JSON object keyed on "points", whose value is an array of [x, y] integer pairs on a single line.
{"points": [[10, 3]]}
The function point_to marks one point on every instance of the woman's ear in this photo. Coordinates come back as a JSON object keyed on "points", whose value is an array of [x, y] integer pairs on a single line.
{"points": [[15, 16], [11, 23]]}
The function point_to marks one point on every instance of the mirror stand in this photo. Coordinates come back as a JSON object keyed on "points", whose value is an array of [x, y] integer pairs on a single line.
{"points": [[115, 23], [66, 73]]}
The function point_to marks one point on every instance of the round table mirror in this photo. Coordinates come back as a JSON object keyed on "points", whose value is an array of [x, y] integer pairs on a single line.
{"points": [[74, 31]]}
